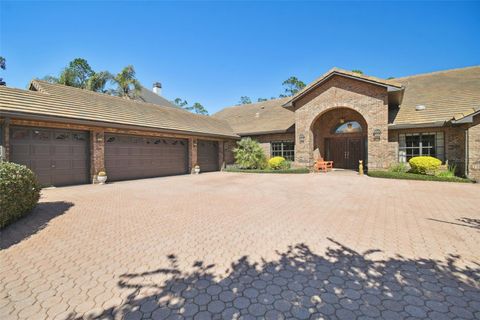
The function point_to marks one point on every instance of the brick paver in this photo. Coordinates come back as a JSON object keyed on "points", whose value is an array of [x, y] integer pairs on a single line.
{"points": [[225, 245]]}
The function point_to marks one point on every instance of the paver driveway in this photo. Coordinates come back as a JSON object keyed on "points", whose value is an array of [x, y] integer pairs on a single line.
{"points": [[227, 245]]}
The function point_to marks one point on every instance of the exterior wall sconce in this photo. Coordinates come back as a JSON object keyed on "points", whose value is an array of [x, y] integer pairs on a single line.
{"points": [[194, 143], [301, 138], [99, 137], [342, 120]]}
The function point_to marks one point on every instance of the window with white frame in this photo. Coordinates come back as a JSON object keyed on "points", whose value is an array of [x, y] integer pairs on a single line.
{"points": [[421, 144], [284, 149]]}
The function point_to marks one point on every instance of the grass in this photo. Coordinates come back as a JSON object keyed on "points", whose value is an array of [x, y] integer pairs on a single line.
{"points": [[415, 176], [291, 170]]}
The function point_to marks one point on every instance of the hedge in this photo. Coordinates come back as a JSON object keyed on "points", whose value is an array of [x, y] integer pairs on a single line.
{"points": [[414, 176], [19, 192]]}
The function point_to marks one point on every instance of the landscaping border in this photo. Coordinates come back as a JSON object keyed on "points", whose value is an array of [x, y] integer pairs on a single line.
{"points": [[283, 171], [415, 176]]}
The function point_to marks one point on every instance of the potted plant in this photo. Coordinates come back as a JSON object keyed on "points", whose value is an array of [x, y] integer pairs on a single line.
{"points": [[102, 177], [196, 169]]}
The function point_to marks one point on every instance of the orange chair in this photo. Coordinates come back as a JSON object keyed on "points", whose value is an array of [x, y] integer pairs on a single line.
{"points": [[322, 165]]}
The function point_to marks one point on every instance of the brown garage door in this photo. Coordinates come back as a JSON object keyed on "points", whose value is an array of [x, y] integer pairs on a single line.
{"points": [[58, 157], [136, 157], [208, 155]]}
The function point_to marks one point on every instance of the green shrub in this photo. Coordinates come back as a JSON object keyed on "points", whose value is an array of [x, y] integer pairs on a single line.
{"points": [[19, 192], [449, 172], [278, 163], [399, 167], [424, 164], [249, 154]]}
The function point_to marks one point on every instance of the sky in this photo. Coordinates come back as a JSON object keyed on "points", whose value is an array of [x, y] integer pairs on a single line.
{"points": [[216, 52]]}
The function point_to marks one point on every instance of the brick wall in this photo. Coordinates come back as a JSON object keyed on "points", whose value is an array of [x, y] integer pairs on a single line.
{"points": [[474, 149], [228, 146], [369, 100]]}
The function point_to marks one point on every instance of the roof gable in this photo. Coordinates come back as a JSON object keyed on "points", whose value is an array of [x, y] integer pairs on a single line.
{"points": [[390, 84]]}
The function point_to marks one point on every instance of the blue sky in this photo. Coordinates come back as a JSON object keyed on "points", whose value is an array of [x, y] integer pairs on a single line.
{"points": [[215, 52]]}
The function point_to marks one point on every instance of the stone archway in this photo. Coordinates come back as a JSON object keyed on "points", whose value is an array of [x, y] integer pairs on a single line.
{"points": [[340, 135]]}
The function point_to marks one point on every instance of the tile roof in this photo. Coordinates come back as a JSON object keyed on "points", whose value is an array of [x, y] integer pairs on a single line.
{"points": [[257, 118], [55, 100], [445, 94], [149, 96]]}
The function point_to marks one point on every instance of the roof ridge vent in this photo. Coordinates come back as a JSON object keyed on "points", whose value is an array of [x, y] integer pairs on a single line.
{"points": [[420, 107]]}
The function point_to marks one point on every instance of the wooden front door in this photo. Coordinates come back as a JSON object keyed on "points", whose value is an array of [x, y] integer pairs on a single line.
{"points": [[345, 152]]}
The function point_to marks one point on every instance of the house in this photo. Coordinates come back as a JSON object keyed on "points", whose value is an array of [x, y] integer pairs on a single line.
{"points": [[67, 135], [346, 117]]}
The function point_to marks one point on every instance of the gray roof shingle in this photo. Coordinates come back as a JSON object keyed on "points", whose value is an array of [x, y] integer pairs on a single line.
{"points": [[258, 118], [55, 100], [447, 95]]}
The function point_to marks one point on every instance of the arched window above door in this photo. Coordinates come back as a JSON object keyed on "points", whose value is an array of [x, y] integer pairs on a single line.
{"points": [[348, 127]]}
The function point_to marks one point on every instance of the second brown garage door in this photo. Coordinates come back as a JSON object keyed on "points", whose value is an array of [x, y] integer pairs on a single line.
{"points": [[135, 157], [208, 155]]}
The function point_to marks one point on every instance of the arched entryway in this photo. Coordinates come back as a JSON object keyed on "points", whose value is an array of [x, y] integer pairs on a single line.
{"points": [[340, 135]]}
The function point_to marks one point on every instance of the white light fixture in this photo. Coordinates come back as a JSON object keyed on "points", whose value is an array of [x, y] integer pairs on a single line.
{"points": [[420, 107]]}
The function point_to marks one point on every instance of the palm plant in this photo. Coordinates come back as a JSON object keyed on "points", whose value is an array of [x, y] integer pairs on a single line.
{"points": [[249, 154], [128, 86], [98, 81]]}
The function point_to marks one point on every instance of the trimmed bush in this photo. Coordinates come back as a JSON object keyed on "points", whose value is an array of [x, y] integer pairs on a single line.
{"points": [[424, 165], [278, 163], [249, 154], [19, 192]]}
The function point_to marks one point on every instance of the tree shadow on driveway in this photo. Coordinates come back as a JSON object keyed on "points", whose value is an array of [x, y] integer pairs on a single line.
{"points": [[338, 284], [32, 223], [463, 222]]}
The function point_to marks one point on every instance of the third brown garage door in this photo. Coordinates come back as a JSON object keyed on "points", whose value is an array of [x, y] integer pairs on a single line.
{"points": [[135, 157], [208, 155]]}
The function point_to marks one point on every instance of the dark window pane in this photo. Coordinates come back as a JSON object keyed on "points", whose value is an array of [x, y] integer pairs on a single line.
{"points": [[62, 136], [20, 134], [41, 135], [79, 136], [283, 149]]}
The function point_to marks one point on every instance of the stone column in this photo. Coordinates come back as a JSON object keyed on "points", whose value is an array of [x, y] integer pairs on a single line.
{"points": [[97, 153], [6, 137], [192, 153]]}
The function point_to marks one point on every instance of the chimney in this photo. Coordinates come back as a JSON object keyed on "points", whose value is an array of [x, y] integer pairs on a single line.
{"points": [[157, 88]]}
